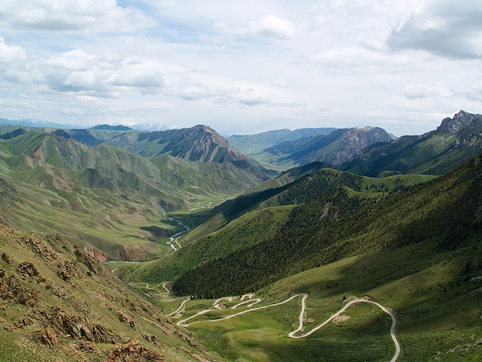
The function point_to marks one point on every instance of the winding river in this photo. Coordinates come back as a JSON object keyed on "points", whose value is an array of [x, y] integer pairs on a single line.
{"points": [[173, 238]]}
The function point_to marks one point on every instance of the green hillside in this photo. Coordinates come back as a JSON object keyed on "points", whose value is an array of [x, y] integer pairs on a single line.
{"points": [[258, 251], [250, 229], [433, 292], [108, 197], [200, 143], [259, 217], [346, 222]]}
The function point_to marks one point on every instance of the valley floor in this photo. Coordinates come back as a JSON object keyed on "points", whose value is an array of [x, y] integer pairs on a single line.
{"points": [[438, 315]]}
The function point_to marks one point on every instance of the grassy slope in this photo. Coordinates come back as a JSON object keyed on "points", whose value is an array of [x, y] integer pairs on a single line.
{"points": [[255, 145], [252, 145], [119, 227], [105, 196], [92, 292], [289, 176], [442, 209], [334, 147], [254, 218], [436, 304]]}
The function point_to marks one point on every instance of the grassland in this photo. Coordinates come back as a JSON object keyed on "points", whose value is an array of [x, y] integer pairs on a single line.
{"points": [[436, 301]]}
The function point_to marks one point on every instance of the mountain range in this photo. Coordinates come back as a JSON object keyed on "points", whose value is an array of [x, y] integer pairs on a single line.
{"points": [[64, 185], [335, 148], [146, 126], [435, 152], [112, 239]]}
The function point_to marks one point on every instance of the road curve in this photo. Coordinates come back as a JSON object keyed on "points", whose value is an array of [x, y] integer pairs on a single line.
{"points": [[304, 296], [180, 307], [392, 328]]}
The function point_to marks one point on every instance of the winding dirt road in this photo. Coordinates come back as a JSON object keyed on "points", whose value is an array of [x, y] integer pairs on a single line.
{"points": [[292, 334], [178, 309]]}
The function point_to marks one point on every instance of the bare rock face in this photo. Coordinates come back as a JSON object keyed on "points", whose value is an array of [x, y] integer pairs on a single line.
{"points": [[42, 248], [86, 346], [59, 291], [11, 289], [127, 320], [88, 258], [47, 337], [460, 121], [102, 335], [134, 351], [69, 270], [356, 139], [6, 258], [28, 270], [199, 143], [152, 338], [72, 327], [97, 254]]}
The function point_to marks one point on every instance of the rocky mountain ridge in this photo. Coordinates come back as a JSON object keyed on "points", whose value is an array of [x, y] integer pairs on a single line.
{"points": [[336, 147], [199, 143], [460, 121], [435, 152]]}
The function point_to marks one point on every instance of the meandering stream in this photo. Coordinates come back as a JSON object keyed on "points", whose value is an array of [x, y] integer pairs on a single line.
{"points": [[173, 238]]}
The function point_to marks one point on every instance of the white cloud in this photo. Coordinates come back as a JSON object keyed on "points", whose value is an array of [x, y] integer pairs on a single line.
{"points": [[252, 98], [11, 54], [91, 16], [271, 26], [280, 83], [64, 60], [444, 28], [475, 93], [421, 91]]}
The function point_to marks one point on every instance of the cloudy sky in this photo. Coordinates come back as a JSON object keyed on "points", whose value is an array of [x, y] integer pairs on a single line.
{"points": [[242, 66]]}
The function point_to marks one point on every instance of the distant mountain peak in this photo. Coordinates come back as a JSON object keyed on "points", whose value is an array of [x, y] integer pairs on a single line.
{"points": [[112, 128], [460, 121], [149, 126]]}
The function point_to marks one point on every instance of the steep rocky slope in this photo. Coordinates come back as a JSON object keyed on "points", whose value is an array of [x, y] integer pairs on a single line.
{"points": [[199, 143], [59, 303]]}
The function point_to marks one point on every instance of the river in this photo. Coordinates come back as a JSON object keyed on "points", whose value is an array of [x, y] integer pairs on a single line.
{"points": [[173, 238]]}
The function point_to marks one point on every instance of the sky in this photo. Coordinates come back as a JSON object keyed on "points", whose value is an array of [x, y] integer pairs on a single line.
{"points": [[242, 67]]}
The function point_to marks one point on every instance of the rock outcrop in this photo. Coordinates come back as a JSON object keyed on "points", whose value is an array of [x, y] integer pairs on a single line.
{"points": [[28, 270], [46, 337], [6, 258], [460, 121], [12, 289], [335, 147], [69, 270], [134, 351], [71, 326]]}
